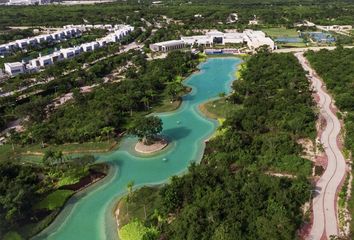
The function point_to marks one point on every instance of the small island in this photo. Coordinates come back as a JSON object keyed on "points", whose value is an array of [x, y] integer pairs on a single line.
{"points": [[147, 129]]}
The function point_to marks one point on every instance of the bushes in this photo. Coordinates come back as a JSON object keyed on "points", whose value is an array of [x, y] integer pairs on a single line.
{"points": [[54, 200], [135, 230], [229, 196]]}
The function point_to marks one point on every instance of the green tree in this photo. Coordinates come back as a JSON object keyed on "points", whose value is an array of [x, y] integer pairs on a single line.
{"points": [[146, 128]]}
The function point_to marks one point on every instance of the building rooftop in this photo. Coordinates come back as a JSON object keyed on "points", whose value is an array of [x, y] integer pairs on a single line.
{"points": [[171, 42], [14, 64]]}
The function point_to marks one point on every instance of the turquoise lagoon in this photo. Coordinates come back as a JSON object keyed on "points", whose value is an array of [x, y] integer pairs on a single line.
{"points": [[89, 214]]}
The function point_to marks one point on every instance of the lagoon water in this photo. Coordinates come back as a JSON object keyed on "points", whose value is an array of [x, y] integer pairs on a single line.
{"points": [[88, 215]]}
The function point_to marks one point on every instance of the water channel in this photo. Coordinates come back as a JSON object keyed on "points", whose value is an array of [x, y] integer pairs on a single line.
{"points": [[89, 214]]}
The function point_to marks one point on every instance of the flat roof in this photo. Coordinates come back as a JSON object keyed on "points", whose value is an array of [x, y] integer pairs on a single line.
{"points": [[171, 42], [14, 64]]}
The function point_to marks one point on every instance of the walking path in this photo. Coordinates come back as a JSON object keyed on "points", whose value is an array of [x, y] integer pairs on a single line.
{"points": [[325, 219]]}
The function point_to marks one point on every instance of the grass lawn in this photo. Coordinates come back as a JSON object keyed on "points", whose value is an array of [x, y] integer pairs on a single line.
{"points": [[34, 153], [167, 106], [292, 45], [134, 209], [280, 32], [54, 200], [12, 236], [217, 109]]}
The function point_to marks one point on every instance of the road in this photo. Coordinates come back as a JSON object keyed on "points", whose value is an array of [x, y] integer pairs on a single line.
{"points": [[287, 50], [325, 218]]}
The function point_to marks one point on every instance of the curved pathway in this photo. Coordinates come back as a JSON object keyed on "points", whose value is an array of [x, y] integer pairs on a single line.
{"points": [[325, 219]]}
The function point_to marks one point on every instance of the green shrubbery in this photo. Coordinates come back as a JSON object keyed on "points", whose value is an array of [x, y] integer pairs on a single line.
{"points": [[230, 195]]}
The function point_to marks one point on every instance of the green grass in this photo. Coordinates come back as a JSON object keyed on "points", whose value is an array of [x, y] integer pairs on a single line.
{"points": [[292, 45], [135, 230], [167, 106], [54, 200], [33, 153], [134, 208], [67, 180], [12, 236], [280, 32], [218, 109]]}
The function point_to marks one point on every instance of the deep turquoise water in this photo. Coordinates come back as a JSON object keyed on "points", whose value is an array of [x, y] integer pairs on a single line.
{"points": [[89, 214]]}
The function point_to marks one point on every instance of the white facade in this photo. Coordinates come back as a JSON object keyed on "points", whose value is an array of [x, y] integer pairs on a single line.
{"points": [[67, 53], [23, 43], [253, 39], [167, 46], [88, 47], [45, 60], [3, 49], [14, 68]]}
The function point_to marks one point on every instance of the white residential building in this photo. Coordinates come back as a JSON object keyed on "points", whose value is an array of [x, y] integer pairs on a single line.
{"points": [[88, 47], [14, 68], [32, 41], [23, 43], [3, 49], [68, 53], [45, 60]]}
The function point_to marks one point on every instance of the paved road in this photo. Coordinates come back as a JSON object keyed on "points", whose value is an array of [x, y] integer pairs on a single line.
{"points": [[325, 220], [304, 49]]}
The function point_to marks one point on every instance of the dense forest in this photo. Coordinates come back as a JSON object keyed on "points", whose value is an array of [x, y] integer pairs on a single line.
{"points": [[337, 70], [229, 195], [284, 12]]}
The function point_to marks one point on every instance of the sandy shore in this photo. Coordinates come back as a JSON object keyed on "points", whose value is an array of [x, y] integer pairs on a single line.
{"points": [[140, 147]]}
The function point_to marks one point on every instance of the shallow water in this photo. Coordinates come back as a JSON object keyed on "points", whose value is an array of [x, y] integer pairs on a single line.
{"points": [[89, 214], [289, 39]]}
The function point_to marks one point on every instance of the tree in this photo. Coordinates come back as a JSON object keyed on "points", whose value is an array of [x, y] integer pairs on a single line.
{"points": [[173, 89], [146, 128]]}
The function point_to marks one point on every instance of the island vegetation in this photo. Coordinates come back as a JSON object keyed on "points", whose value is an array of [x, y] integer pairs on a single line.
{"points": [[233, 192]]}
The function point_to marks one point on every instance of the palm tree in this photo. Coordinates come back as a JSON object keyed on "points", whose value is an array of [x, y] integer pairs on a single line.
{"points": [[107, 131], [146, 101]]}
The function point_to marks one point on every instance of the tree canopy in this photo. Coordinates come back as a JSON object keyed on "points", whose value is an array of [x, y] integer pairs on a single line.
{"points": [[146, 128]]}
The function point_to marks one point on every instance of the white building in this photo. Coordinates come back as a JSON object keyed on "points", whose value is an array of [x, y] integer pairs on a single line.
{"points": [[14, 68], [3, 49], [88, 47], [32, 41], [256, 39], [167, 46], [23, 43], [232, 18], [45, 60], [68, 53], [253, 39]]}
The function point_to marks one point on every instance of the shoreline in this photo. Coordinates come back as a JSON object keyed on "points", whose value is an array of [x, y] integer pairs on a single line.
{"points": [[157, 146], [93, 177], [206, 114]]}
